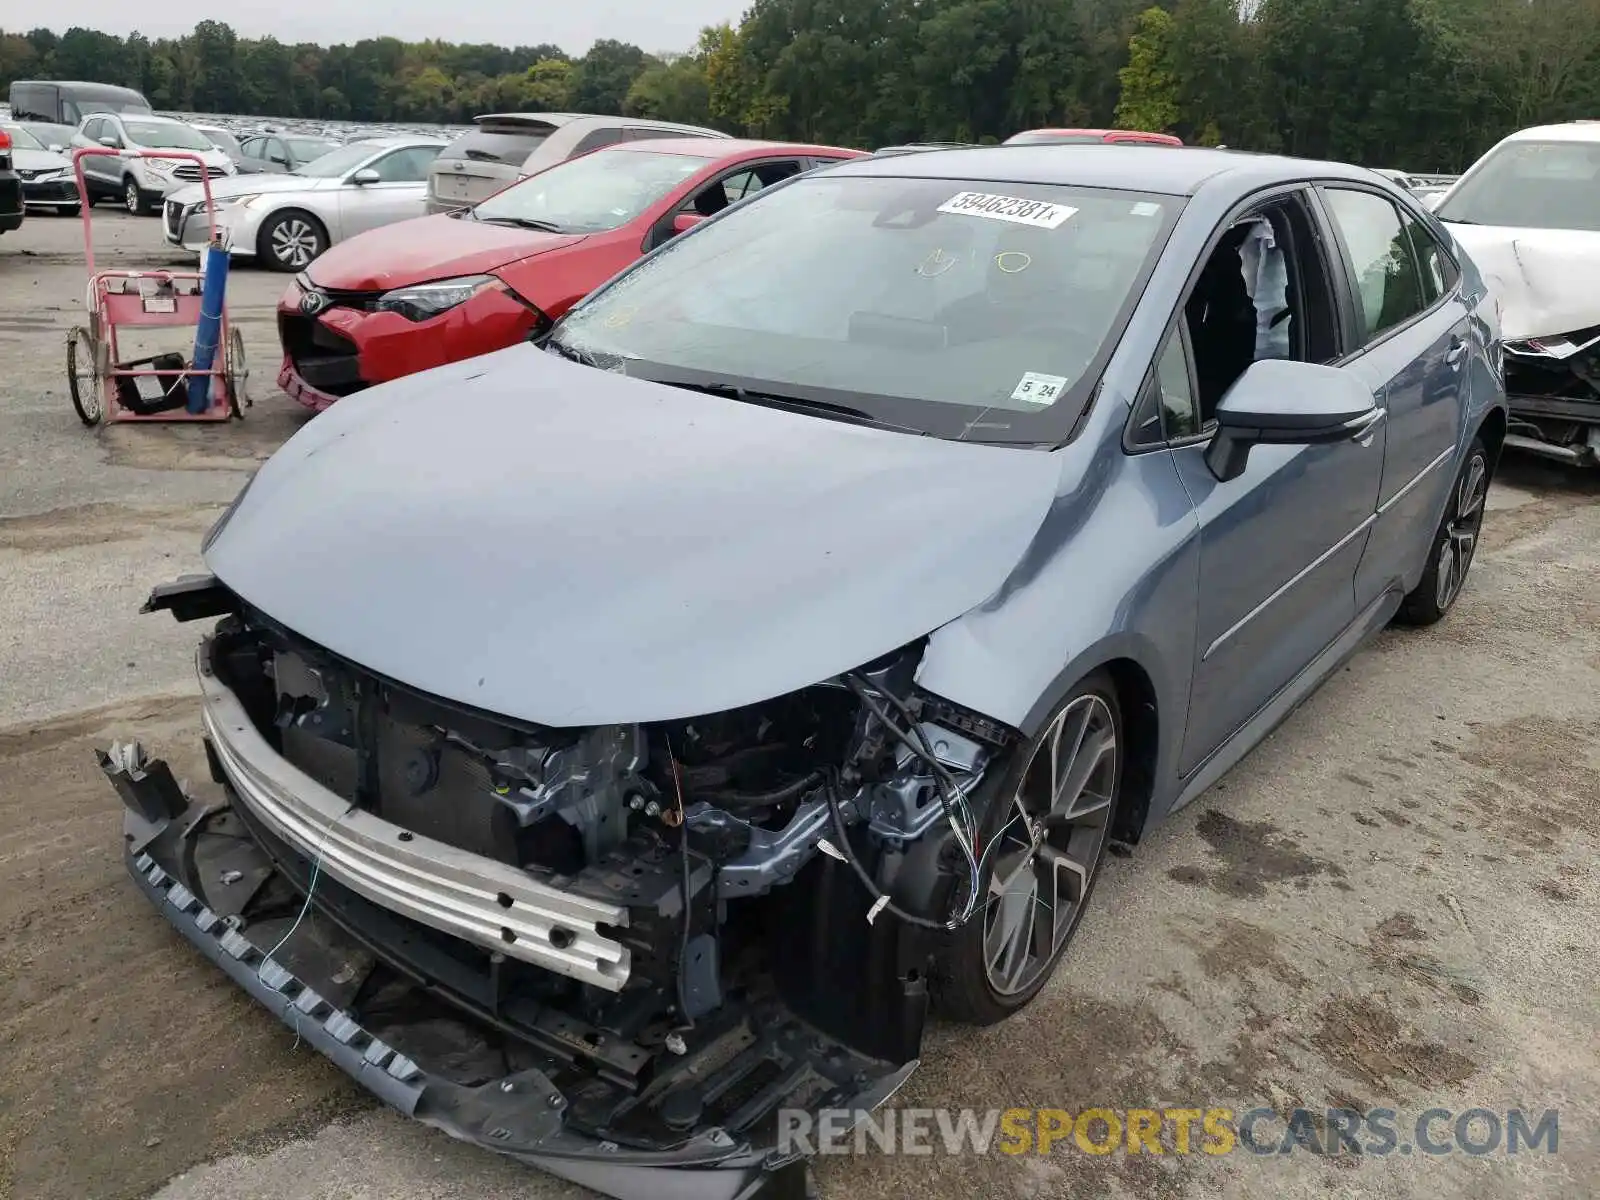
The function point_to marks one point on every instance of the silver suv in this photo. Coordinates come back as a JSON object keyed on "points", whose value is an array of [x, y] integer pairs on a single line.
{"points": [[506, 147]]}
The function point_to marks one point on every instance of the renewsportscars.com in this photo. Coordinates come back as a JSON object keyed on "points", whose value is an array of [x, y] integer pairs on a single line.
{"points": [[1374, 1132]]}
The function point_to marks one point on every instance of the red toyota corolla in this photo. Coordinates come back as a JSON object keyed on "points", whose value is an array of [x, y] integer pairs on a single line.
{"points": [[422, 293]]}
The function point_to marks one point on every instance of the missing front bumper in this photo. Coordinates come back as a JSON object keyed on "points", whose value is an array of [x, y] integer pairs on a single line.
{"points": [[698, 1127]]}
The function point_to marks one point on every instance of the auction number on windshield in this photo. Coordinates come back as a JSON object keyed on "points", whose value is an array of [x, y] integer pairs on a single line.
{"points": [[1008, 208]]}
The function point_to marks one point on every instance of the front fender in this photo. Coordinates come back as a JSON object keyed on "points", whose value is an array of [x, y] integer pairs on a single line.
{"points": [[1113, 574]]}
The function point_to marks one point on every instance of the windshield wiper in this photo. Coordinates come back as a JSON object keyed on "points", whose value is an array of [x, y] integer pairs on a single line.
{"points": [[570, 353], [797, 404], [525, 223]]}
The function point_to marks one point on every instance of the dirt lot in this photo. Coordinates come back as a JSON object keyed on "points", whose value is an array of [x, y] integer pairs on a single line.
{"points": [[1395, 902]]}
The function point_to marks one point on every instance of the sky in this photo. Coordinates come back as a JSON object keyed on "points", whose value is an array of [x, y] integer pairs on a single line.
{"points": [[571, 24]]}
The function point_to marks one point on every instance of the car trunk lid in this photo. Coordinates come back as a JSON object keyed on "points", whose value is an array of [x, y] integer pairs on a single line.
{"points": [[480, 163]]}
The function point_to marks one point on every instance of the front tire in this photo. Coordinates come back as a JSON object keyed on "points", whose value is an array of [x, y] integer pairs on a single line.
{"points": [[1454, 543], [1043, 838], [133, 197], [290, 240]]}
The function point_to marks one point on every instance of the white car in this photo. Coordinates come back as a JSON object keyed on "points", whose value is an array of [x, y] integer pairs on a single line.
{"points": [[285, 221], [142, 183], [1528, 212], [48, 183]]}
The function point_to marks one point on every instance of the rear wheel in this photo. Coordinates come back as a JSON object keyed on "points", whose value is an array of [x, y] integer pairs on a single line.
{"points": [[1043, 841], [83, 376], [1454, 543]]}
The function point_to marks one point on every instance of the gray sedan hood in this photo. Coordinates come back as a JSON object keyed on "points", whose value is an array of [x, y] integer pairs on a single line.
{"points": [[570, 546]]}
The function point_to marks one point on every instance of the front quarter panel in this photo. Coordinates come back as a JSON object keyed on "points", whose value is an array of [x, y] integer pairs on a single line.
{"points": [[1111, 574]]}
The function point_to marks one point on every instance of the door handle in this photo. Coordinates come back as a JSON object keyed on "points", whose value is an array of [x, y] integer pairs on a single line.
{"points": [[1457, 351]]}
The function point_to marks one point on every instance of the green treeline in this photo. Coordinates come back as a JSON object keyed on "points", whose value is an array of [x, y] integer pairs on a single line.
{"points": [[1417, 84]]}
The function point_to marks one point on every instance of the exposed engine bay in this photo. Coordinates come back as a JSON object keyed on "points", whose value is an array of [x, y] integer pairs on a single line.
{"points": [[1553, 384], [681, 928]]}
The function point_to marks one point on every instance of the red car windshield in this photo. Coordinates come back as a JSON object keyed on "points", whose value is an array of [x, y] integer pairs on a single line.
{"points": [[592, 193]]}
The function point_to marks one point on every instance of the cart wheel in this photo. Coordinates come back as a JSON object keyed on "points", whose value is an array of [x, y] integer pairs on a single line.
{"points": [[83, 376], [238, 374]]}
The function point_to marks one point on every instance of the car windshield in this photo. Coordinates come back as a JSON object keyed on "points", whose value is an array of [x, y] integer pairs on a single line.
{"points": [[338, 162], [163, 136], [307, 149], [592, 193], [222, 140], [973, 310], [21, 139], [1531, 185]]}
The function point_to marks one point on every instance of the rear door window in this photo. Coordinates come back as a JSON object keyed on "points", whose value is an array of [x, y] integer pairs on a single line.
{"points": [[498, 144], [1389, 287], [406, 166], [1439, 272]]}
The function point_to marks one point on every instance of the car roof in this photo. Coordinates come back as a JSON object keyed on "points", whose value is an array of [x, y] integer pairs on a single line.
{"points": [[557, 119], [1569, 131], [1177, 171], [725, 147], [139, 116], [85, 84]]}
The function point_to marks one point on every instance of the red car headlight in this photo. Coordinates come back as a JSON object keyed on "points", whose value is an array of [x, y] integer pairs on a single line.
{"points": [[422, 301]]}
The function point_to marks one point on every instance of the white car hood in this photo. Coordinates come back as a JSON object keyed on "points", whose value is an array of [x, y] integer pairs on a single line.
{"points": [[251, 185], [1547, 281], [39, 160]]}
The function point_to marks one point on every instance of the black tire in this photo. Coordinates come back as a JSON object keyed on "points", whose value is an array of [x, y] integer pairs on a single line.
{"points": [[133, 197], [85, 390], [1454, 543], [963, 987], [290, 240]]}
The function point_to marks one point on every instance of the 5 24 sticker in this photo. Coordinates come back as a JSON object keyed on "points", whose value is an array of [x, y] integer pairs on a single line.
{"points": [[1008, 208], [1039, 389]]}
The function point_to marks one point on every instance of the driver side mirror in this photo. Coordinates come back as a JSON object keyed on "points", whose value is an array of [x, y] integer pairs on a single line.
{"points": [[111, 143], [57, 148], [365, 176], [1285, 403], [686, 221]]}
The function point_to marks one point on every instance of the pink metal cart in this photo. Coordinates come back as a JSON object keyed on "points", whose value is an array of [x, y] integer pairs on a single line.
{"points": [[104, 387]]}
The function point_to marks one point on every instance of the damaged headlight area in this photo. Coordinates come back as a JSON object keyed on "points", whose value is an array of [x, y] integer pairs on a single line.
{"points": [[670, 932], [1553, 384]]}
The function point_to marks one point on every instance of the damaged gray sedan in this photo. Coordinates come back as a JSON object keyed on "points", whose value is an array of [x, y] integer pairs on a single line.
{"points": [[627, 739]]}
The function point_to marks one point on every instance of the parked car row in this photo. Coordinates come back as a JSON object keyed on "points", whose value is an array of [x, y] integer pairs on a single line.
{"points": [[671, 712]]}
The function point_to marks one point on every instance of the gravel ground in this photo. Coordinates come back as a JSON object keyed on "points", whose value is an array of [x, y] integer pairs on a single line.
{"points": [[1394, 902]]}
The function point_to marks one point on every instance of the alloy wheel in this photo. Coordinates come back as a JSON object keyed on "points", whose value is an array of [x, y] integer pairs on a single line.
{"points": [[1461, 529], [130, 197], [1045, 856], [294, 242]]}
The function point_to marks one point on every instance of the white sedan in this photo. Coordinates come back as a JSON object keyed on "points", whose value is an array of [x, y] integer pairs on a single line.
{"points": [[285, 221]]}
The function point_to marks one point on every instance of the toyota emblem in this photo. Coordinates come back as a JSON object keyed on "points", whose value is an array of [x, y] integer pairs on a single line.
{"points": [[313, 302]]}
